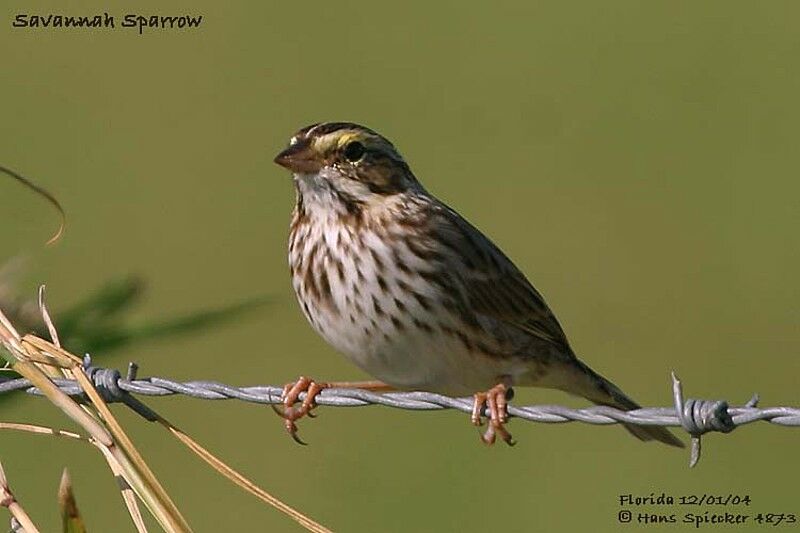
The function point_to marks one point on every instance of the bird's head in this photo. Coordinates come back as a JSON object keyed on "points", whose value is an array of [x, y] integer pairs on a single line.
{"points": [[346, 161]]}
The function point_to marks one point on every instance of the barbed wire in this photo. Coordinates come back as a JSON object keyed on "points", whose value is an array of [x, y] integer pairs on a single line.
{"points": [[696, 417]]}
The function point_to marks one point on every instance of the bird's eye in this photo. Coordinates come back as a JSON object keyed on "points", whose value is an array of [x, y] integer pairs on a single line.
{"points": [[354, 151]]}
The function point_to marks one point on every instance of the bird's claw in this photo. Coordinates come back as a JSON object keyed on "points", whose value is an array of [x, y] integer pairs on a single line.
{"points": [[495, 401], [291, 412]]}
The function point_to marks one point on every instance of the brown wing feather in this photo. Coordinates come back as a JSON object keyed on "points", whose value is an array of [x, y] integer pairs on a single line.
{"points": [[495, 287]]}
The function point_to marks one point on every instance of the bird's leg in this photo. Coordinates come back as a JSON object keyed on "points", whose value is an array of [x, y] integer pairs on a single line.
{"points": [[496, 402], [291, 394]]}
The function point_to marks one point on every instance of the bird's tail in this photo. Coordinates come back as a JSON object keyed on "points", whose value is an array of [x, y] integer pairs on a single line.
{"points": [[601, 391]]}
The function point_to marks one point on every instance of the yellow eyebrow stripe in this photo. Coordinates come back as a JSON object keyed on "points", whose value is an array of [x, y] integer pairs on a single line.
{"points": [[347, 137], [335, 140]]}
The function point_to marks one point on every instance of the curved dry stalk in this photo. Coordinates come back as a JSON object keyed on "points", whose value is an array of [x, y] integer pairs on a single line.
{"points": [[116, 468], [131, 454], [33, 356], [137, 473], [239, 479], [44, 194], [48, 321], [128, 496], [42, 430], [126, 491], [141, 478], [8, 501]]}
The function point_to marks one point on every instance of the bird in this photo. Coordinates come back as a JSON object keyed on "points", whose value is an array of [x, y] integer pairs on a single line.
{"points": [[412, 293]]}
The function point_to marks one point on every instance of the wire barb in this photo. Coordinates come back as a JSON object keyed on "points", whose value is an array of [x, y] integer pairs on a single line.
{"points": [[107, 382], [701, 416], [696, 417]]}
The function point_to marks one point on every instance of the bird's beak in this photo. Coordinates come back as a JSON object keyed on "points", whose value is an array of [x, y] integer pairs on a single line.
{"points": [[300, 158]]}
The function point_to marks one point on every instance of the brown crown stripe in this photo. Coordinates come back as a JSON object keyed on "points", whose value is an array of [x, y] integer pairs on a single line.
{"points": [[303, 132], [324, 128]]}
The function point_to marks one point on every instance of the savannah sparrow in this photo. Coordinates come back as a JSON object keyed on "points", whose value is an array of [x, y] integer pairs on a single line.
{"points": [[414, 294]]}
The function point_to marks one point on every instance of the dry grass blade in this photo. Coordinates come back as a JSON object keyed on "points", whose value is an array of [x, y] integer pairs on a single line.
{"points": [[127, 492], [8, 501], [143, 480], [136, 472], [63, 402], [131, 453], [44, 194], [233, 475], [128, 495], [51, 328], [8, 335], [41, 430], [32, 355], [71, 521], [117, 461]]}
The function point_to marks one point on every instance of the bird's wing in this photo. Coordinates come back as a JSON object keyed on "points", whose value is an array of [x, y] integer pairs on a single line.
{"points": [[494, 287]]}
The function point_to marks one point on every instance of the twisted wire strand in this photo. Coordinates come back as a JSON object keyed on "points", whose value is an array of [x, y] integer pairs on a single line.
{"points": [[695, 416]]}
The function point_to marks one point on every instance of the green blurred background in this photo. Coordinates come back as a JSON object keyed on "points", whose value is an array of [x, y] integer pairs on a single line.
{"points": [[638, 160]]}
